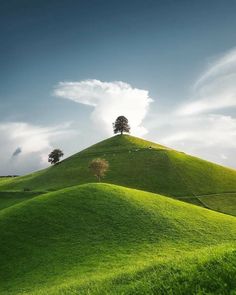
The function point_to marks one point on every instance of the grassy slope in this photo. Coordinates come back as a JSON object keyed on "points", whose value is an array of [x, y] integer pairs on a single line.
{"points": [[211, 271], [133, 164], [225, 203], [76, 239], [3, 179], [10, 198]]}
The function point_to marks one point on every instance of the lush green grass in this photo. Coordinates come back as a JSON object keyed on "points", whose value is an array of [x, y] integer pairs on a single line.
{"points": [[95, 237], [106, 239], [140, 164], [10, 198], [211, 271], [4, 180], [225, 203]]}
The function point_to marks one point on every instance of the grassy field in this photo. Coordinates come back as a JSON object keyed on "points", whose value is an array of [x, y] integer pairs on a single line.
{"points": [[9, 198], [210, 271], [106, 239], [139, 164], [225, 203], [62, 234], [4, 180]]}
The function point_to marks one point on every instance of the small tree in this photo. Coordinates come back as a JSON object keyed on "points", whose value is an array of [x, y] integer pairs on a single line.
{"points": [[54, 156], [98, 168], [121, 125]]}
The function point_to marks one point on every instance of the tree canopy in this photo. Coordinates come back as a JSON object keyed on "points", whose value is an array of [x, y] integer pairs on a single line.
{"points": [[54, 156], [121, 125]]}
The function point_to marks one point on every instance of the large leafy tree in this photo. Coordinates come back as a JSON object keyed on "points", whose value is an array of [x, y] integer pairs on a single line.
{"points": [[121, 125], [54, 156], [98, 168]]}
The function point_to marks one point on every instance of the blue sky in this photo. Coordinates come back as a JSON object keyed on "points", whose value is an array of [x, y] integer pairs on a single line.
{"points": [[68, 68]]}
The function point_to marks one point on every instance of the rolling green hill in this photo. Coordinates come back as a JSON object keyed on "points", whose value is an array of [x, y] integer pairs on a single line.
{"points": [[9, 198], [106, 239], [144, 165]]}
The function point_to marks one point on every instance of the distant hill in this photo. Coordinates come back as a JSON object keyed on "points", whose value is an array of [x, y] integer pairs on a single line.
{"points": [[106, 239], [137, 163]]}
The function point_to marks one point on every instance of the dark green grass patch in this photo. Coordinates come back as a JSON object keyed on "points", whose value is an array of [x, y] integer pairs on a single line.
{"points": [[10, 198], [225, 202]]}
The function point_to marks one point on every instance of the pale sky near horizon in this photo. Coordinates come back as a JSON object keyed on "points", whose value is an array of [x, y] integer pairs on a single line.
{"points": [[69, 68]]}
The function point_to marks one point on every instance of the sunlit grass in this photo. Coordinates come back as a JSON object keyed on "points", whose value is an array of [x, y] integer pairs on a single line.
{"points": [[99, 238]]}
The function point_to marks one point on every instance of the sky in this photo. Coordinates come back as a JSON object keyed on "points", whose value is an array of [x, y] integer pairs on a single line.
{"points": [[69, 68]]}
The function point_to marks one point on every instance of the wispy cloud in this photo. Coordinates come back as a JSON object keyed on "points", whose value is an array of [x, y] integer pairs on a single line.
{"points": [[208, 136], [203, 131], [216, 87], [195, 127], [109, 100]]}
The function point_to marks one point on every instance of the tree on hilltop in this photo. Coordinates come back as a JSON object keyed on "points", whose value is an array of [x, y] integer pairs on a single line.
{"points": [[121, 125], [54, 156], [98, 168]]}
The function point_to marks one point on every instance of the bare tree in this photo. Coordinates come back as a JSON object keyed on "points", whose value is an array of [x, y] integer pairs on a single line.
{"points": [[98, 168]]}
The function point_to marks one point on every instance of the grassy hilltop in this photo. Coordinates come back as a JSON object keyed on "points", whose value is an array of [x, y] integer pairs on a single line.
{"points": [[144, 165], [105, 239]]}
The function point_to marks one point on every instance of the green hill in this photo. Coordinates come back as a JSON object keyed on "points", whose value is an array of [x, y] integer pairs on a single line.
{"points": [[106, 239], [144, 165], [9, 198]]}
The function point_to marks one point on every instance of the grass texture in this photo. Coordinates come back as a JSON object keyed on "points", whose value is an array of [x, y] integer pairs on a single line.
{"points": [[107, 239]]}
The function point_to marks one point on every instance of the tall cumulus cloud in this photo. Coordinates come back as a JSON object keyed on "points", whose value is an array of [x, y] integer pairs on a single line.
{"points": [[109, 100]]}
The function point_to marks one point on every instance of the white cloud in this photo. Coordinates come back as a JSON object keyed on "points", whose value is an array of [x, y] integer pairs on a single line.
{"points": [[208, 136], [203, 131], [194, 127], [216, 87], [35, 143], [225, 63], [109, 100]]}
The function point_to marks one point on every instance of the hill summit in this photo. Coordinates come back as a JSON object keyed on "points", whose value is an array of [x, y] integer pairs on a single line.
{"points": [[141, 164]]}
